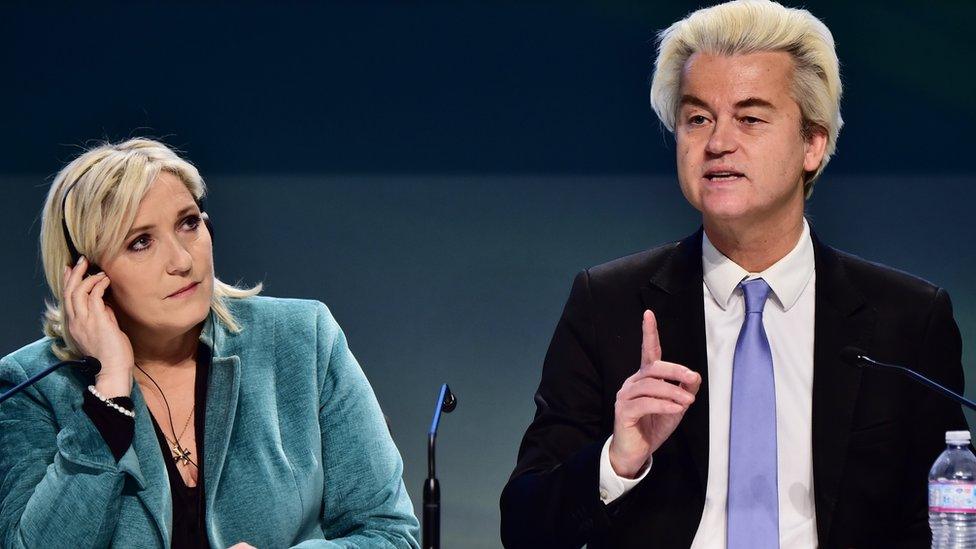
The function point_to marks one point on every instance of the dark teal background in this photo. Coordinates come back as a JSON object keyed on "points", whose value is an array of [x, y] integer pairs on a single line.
{"points": [[437, 173]]}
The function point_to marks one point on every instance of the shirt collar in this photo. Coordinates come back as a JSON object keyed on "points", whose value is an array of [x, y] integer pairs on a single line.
{"points": [[786, 278]]}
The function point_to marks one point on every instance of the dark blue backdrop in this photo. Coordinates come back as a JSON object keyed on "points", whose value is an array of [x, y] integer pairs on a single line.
{"points": [[437, 173]]}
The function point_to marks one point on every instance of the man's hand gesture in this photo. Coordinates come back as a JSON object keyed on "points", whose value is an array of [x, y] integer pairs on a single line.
{"points": [[650, 404]]}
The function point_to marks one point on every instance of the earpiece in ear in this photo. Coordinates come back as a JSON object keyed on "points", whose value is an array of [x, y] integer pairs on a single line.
{"points": [[72, 249]]}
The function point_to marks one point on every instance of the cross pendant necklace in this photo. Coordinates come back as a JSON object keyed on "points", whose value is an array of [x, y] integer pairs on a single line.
{"points": [[180, 454]]}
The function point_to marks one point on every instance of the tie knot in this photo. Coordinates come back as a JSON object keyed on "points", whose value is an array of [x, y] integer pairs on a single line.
{"points": [[756, 291]]}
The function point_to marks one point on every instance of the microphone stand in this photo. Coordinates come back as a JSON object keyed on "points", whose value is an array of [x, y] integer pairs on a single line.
{"points": [[446, 402], [853, 355], [90, 364]]}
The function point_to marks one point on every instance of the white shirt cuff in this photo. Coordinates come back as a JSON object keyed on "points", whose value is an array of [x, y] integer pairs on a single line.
{"points": [[612, 485]]}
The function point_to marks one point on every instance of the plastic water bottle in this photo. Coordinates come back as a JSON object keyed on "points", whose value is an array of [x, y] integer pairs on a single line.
{"points": [[952, 495]]}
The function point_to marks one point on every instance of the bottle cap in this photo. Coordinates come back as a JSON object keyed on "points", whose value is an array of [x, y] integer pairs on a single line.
{"points": [[957, 436]]}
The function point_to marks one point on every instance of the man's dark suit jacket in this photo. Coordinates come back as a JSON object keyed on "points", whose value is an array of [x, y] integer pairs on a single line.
{"points": [[875, 435]]}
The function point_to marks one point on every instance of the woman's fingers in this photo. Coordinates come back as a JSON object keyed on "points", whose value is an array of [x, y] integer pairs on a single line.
{"points": [[77, 272], [66, 293], [74, 274], [86, 286], [80, 295], [96, 303]]}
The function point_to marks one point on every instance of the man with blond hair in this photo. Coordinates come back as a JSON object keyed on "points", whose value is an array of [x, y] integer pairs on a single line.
{"points": [[694, 395]]}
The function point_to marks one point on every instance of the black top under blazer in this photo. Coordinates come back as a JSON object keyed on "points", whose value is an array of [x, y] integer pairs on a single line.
{"points": [[875, 435]]}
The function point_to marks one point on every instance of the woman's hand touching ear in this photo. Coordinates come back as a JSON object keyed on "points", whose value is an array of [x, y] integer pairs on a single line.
{"points": [[95, 330]]}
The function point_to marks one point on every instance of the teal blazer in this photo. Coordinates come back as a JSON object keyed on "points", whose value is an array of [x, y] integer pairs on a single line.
{"points": [[296, 451]]}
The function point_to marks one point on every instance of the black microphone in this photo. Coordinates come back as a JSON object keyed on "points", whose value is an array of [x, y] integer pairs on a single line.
{"points": [[89, 365], [446, 403], [857, 357]]}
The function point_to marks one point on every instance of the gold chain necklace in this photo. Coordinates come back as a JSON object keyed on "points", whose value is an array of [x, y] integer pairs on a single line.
{"points": [[181, 455]]}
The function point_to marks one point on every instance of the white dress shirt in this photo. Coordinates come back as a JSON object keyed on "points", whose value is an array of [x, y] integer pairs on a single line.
{"points": [[789, 320]]}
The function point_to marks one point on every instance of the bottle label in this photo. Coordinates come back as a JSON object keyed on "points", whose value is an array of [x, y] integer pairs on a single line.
{"points": [[952, 497]]}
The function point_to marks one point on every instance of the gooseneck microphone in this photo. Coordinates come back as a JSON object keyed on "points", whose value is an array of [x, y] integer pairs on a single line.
{"points": [[89, 364], [446, 402], [857, 357]]}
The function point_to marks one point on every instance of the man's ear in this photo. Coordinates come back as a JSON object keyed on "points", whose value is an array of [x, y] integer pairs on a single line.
{"points": [[815, 146]]}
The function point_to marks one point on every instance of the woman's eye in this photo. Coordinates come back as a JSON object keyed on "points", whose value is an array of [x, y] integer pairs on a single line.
{"points": [[140, 243], [192, 222], [751, 120], [697, 120]]}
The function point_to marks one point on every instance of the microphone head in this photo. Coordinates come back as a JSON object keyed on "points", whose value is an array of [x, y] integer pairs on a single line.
{"points": [[450, 401], [852, 355], [89, 365]]}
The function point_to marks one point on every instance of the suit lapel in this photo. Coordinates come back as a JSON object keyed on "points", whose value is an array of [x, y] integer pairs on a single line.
{"points": [[149, 469], [841, 319], [676, 297], [223, 389]]}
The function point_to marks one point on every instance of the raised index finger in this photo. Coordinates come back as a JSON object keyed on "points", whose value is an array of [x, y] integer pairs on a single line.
{"points": [[650, 342]]}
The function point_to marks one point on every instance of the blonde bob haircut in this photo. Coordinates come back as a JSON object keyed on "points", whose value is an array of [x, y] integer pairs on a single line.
{"points": [[751, 26], [104, 187]]}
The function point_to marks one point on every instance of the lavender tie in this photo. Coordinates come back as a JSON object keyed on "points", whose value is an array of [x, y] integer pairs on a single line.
{"points": [[753, 505]]}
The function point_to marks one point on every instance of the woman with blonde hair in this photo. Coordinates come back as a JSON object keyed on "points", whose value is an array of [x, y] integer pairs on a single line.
{"points": [[218, 417]]}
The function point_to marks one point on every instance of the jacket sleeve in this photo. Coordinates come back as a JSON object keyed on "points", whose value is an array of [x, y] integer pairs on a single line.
{"points": [[552, 498], [365, 502], [940, 358], [60, 484]]}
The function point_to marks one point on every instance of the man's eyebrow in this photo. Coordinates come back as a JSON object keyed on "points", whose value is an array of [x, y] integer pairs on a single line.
{"points": [[145, 228], [688, 99], [754, 102]]}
